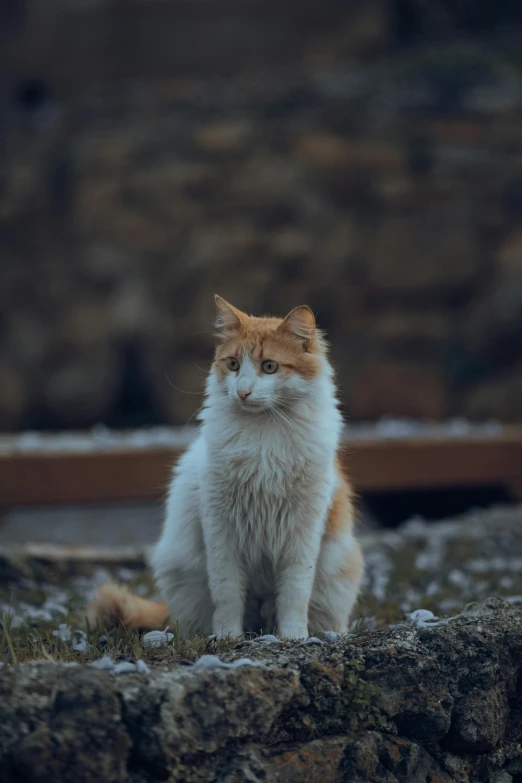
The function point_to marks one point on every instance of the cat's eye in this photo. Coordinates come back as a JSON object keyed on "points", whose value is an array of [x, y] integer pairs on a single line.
{"points": [[232, 364], [269, 366]]}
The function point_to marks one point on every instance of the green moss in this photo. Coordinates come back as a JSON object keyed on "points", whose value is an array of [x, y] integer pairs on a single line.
{"points": [[333, 706], [359, 699], [183, 772]]}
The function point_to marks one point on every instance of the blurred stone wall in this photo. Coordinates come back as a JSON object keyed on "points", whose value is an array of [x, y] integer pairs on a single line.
{"points": [[155, 152]]}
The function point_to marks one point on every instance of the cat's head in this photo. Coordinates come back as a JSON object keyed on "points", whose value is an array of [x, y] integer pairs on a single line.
{"points": [[266, 363]]}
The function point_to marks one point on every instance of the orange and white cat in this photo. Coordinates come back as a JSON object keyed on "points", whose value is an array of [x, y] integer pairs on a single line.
{"points": [[259, 523]]}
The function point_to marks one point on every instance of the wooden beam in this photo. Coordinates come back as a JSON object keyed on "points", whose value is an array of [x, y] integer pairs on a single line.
{"points": [[60, 478], [377, 465], [127, 472]]}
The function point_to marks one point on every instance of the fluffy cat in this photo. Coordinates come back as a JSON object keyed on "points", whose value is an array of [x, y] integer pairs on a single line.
{"points": [[259, 522]]}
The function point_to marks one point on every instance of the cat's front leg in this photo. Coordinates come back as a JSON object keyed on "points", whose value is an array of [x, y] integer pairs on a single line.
{"points": [[227, 584], [295, 581], [229, 601]]}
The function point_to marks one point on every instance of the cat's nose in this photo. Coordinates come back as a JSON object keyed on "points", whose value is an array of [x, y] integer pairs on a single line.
{"points": [[244, 393]]}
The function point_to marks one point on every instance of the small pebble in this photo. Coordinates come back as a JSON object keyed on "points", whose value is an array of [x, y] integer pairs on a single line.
{"points": [[313, 640], [157, 638], [209, 662], [267, 638], [423, 618], [105, 663], [103, 640], [124, 667], [331, 636], [81, 646], [63, 632]]}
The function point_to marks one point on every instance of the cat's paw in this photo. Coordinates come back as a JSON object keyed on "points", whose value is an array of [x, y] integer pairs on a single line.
{"points": [[226, 629], [294, 631], [227, 633]]}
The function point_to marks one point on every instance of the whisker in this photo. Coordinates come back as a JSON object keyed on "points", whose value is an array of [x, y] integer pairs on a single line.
{"points": [[194, 413], [280, 415], [284, 404], [198, 394], [200, 368]]}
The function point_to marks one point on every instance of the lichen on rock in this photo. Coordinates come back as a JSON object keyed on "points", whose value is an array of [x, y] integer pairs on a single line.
{"points": [[401, 705]]}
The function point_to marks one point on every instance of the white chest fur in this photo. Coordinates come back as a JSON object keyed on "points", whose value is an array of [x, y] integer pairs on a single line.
{"points": [[266, 481], [247, 512]]}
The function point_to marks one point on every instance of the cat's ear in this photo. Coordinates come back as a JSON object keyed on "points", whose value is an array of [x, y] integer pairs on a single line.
{"points": [[300, 323], [228, 317]]}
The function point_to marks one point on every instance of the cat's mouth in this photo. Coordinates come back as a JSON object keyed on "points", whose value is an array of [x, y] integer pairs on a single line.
{"points": [[253, 406]]}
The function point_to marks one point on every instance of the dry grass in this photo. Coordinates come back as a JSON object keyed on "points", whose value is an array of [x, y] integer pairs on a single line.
{"points": [[436, 567], [18, 645]]}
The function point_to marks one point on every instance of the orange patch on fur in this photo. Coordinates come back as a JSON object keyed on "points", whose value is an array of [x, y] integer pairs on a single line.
{"points": [[293, 342], [353, 567], [114, 605], [339, 521], [340, 515]]}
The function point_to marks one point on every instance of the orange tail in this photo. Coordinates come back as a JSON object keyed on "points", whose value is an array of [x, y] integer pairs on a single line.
{"points": [[114, 605]]}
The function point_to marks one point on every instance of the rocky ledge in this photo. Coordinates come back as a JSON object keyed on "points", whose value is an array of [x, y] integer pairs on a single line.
{"points": [[414, 703]]}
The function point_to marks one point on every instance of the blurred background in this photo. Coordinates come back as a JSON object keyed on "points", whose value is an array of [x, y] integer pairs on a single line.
{"points": [[363, 157]]}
